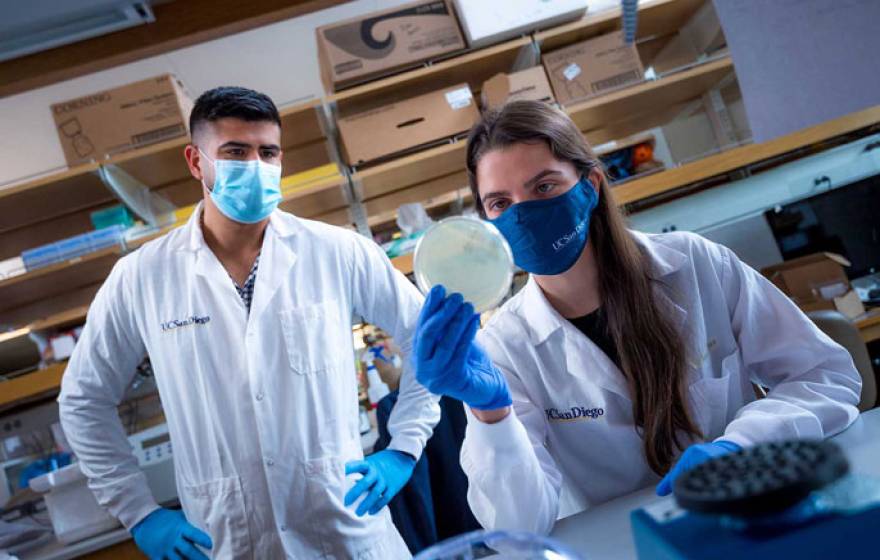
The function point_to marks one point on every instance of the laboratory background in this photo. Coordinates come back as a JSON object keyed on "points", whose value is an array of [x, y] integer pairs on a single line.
{"points": [[754, 123]]}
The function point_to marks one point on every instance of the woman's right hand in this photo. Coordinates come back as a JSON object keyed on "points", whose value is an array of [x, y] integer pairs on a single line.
{"points": [[449, 362]]}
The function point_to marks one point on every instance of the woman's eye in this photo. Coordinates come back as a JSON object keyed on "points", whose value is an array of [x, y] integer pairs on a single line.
{"points": [[499, 205], [544, 188]]}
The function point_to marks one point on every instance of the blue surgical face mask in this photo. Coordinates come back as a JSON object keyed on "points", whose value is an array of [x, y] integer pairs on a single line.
{"points": [[245, 191], [547, 236]]}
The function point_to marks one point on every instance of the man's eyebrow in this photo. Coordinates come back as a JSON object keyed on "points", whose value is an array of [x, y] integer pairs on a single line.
{"points": [[235, 144]]}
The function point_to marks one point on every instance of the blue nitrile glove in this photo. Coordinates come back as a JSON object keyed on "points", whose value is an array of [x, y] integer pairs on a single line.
{"points": [[166, 533], [694, 455], [448, 361], [385, 473]]}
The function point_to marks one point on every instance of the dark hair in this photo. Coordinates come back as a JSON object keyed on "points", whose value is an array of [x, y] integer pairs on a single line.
{"points": [[655, 366], [236, 102]]}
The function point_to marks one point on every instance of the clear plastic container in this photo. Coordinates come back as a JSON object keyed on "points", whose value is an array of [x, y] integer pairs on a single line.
{"points": [[498, 545]]}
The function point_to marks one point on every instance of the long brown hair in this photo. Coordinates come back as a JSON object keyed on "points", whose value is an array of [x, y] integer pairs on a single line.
{"points": [[653, 355]]}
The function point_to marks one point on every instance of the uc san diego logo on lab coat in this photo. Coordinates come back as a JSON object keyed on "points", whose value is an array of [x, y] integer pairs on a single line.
{"points": [[574, 414], [179, 323]]}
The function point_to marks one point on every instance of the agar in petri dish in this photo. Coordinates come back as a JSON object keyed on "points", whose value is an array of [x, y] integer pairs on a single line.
{"points": [[468, 256]]}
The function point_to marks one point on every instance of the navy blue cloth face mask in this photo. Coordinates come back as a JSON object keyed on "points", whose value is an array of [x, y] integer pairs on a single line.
{"points": [[547, 236]]}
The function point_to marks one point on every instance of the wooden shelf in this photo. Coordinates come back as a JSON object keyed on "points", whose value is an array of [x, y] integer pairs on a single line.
{"points": [[416, 169], [57, 206], [724, 162], [474, 68], [31, 385], [439, 204], [648, 96], [403, 263], [24, 298], [656, 18], [32, 295], [66, 318], [869, 325], [317, 196]]}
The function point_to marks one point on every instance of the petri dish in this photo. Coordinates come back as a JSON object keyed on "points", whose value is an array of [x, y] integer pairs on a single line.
{"points": [[498, 545], [468, 256]]}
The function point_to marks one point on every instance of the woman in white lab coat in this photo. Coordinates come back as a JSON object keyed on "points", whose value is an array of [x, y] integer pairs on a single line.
{"points": [[627, 358]]}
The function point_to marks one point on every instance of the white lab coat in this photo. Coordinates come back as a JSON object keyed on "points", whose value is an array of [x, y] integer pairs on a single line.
{"points": [[262, 409], [571, 441]]}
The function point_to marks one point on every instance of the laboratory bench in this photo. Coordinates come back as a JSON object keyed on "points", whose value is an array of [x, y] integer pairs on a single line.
{"points": [[604, 532]]}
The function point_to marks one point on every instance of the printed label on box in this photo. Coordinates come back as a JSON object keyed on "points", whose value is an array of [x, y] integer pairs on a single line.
{"points": [[459, 98], [571, 71]]}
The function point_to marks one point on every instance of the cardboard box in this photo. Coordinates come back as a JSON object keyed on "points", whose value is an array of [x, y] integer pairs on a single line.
{"points": [[401, 126], [117, 120], [817, 281], [593, 67], [487, 22], [376, 44], [529, 84], [701, 35]]}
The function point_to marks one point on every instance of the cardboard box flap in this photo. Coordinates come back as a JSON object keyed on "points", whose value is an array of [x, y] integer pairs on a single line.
{"points": [[807, 259], [529, 84], [811, 276], [495, 90]]}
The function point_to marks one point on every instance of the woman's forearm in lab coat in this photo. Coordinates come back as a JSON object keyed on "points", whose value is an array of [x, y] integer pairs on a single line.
{"points": [[814, 386], [513, 482]]}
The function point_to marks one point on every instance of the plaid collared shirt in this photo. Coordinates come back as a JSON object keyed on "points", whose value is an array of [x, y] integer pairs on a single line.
{"points": [[246, 292]]}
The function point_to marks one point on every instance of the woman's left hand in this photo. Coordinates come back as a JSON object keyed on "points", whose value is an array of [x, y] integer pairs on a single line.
{"points": [[694, 455]]}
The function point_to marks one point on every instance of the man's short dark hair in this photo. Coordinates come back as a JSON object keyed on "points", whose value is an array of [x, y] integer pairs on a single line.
{"points": [[235, 102]]}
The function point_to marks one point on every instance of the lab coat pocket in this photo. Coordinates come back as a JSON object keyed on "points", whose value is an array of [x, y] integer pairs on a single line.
{"points": [[710, 396], [326, 485], [218, 508], [312, 336]]}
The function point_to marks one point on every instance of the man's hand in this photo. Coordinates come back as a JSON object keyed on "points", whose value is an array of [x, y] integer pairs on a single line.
{"points": [[384, 474], [166, 533]]}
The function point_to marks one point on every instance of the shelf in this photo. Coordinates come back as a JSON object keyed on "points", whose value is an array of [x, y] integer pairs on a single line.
{"points": [[315, 192], [650, 95], [403, 263], [724, 162], [67, 318], [439, 204], [35, 294], [412, 170], [656, 18], [57, 206], [474, 68], [31, 385], [869, 325], [36, 290]]}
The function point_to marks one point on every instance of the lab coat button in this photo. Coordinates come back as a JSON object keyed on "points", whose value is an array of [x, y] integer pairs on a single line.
{"points": [[270, 462], [259, 396], [283, 528]]}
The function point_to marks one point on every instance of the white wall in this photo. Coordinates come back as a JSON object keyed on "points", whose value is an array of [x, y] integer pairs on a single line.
{"points": [[279, 60]]}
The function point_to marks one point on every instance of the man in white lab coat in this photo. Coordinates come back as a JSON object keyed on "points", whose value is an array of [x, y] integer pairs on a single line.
{"points": [[245, 313]]}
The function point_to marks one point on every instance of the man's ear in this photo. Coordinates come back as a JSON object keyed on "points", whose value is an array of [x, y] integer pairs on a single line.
{"points": [[193, 161]]}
